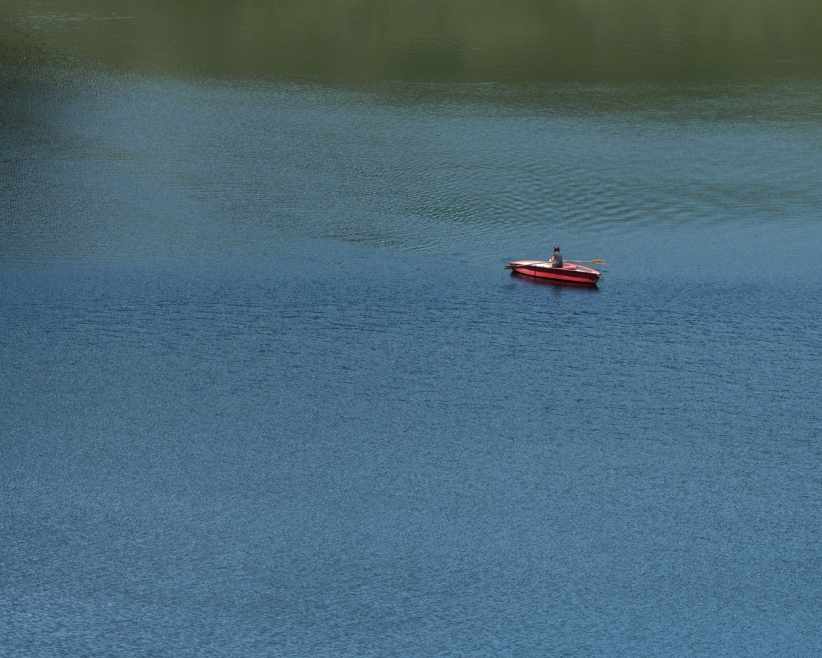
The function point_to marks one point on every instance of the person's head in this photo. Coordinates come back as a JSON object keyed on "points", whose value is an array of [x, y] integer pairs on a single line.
{"points": [[556, 248]]}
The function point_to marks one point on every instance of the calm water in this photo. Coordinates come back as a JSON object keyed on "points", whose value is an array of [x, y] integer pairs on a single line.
{"points": [[267, 390]]}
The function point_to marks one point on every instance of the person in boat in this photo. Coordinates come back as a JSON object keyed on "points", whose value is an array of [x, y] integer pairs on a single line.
{"points": [[556, 258]]}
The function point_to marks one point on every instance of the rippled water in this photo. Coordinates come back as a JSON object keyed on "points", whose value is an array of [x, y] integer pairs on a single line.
{"points": [[267, 389]]}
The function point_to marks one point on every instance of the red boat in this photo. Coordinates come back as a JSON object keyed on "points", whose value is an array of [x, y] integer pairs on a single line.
{"points": [[570, 272]]}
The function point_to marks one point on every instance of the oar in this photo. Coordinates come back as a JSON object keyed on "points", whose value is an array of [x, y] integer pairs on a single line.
{"points": [[595, 261]]}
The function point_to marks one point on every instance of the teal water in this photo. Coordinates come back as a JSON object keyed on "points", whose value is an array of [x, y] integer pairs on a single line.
{"points": [[267, 390]]}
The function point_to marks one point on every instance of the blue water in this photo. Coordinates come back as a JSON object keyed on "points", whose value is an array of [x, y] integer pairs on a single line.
{"points": [[267, 390]]}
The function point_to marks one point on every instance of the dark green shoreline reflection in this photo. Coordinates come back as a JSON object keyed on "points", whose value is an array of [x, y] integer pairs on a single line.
{"points": [[444, 40]]}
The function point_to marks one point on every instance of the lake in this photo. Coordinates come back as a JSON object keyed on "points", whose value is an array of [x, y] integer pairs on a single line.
{"points": [[266, 388]]}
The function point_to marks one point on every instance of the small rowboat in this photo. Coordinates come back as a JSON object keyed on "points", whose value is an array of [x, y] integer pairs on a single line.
{"points": [[570, 272]]}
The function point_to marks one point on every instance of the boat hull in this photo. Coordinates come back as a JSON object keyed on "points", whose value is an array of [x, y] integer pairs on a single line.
{"points": [[570, 273]]}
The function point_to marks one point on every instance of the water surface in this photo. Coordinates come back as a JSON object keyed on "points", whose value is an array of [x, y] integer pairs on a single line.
{"points": [[268, 390]]}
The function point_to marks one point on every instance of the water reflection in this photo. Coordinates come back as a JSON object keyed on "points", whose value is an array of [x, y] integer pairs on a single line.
{"points": [[112, 166], [444, 40]]}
